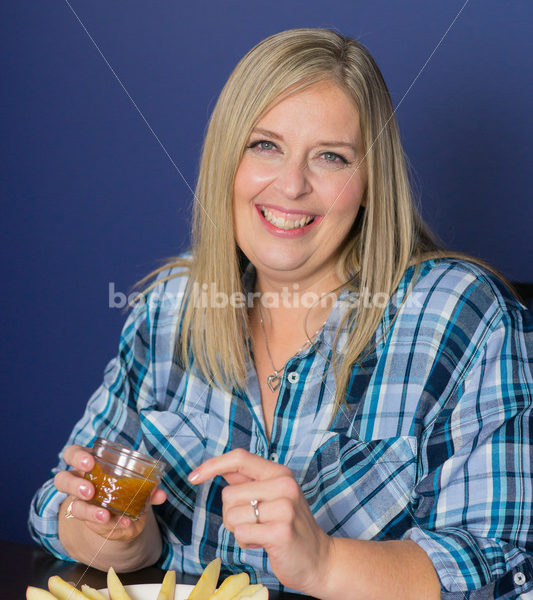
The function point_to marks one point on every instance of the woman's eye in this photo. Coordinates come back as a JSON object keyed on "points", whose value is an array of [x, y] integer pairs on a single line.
{"points": [[333, 157], [262, 145]]}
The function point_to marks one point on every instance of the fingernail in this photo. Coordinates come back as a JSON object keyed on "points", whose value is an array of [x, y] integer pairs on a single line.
{"points": [[84, 490], [100, 515], [85, 462], [193, 476], [124, 521]]}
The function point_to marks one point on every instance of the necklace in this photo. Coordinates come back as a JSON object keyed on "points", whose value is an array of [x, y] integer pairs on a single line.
{"points": [[274, 379]]}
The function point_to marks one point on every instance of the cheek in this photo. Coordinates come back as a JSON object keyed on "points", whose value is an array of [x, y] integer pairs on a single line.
{"points": [[344, 197], [251, 177]]}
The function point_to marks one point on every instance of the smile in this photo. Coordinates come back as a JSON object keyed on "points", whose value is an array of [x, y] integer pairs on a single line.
{"points": [[284, 223]]}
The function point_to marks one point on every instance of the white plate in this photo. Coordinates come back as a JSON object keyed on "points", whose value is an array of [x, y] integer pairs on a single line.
{"points": [[149, 591]]}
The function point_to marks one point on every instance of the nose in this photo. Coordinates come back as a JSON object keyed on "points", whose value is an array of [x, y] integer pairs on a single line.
{"points": [[292, 180]]}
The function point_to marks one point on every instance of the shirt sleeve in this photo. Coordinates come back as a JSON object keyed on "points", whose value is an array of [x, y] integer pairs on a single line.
{"points": [[474, 499], [110, 413]]}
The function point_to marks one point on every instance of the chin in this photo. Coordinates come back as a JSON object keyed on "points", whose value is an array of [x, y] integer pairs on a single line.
{"points": [[282, 263]]}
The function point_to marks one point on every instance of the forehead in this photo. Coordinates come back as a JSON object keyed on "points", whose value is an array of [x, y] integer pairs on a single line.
{"points": [[322, 108]]}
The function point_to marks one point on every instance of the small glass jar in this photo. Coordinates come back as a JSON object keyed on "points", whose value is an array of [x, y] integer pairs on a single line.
{"points": [[123, 478]]}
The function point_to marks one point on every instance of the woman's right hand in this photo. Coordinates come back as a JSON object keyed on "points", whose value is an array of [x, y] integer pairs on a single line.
{"points": [[79, 490]]}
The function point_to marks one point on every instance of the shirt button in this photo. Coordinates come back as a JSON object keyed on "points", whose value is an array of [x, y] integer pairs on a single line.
{"points": [[293, 377], [519, 578], [274, 457]]}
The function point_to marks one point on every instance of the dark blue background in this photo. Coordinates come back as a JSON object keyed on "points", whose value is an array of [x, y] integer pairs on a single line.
{"points": [[89, 197]]}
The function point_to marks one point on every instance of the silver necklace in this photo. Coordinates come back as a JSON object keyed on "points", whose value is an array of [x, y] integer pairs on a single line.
{"points": [[274, 379]]}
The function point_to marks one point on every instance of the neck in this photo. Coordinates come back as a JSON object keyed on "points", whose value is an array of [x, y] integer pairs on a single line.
{"points": [[291, 315], [292, 312], [294, 301]]}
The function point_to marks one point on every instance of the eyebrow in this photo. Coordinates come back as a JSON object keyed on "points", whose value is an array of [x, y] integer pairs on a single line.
{"points": [[276, 136]]}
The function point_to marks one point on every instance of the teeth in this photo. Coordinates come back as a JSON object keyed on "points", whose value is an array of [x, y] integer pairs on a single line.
{"points": [[285, 223]]}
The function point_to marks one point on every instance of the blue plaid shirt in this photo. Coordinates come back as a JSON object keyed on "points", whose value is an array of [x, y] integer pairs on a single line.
{"points": [[434, 443]]}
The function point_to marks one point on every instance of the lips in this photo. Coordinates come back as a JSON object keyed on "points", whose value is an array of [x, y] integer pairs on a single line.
{"points": [[286, 221]]}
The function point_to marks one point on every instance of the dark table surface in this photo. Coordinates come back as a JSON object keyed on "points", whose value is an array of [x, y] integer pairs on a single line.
{"points": [[22, 565]]}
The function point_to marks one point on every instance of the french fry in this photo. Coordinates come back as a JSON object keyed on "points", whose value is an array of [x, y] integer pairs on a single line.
{"points": [[34, 593], [114, 586], [231, 586], [168, 587], [259, 594], [62, 590], [207, 584], [234, 587], [91, 593], [249, 591]]}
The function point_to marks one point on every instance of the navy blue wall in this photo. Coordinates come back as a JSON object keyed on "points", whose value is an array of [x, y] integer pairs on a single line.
{"points": [[89, 197]]}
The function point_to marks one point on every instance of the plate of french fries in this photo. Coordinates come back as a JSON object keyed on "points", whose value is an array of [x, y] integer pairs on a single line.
{"points": [[234, 587]]}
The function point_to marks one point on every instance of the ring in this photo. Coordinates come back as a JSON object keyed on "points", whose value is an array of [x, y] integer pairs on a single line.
{"points": [[255, 506], [68, 512]]}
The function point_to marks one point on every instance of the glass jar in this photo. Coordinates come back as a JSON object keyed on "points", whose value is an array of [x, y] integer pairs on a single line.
{"points": [[123, 478]]}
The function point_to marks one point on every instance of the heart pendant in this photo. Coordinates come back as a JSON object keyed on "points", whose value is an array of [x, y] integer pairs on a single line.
{"points": [[273, 382]]}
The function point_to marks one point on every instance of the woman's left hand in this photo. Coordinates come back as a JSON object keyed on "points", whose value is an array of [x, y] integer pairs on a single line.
{"points": [[298, 549]]}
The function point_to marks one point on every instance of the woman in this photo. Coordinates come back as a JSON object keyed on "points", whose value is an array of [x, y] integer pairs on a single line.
{"points": [[343, 407]]}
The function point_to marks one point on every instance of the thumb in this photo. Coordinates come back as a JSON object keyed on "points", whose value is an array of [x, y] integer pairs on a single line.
{"points": [[158, 496]]}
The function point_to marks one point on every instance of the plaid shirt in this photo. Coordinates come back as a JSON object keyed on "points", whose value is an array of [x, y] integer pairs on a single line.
{"points": [[434, 443]]}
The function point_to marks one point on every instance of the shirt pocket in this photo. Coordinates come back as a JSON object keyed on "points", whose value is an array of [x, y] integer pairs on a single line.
{"points": [[361, 489]]}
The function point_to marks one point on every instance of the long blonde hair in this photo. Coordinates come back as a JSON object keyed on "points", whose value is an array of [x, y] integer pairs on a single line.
{"points": [[387, 238]]}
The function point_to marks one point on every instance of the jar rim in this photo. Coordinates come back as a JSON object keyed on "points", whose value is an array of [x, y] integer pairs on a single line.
{"points": [[155, 474], [120, 449]]}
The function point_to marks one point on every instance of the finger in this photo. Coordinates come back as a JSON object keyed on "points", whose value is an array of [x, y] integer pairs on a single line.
{"points": [[278, 511], [245, 546], [79, 458], [69, 483], [236, 478], [237, 461], [118, 528], [258, 535], [105, 524], [158, 496], [284, 486], [87, 512]]}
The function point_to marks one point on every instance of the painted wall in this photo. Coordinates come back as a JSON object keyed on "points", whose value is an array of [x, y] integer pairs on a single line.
{"points": [[95, 172]]}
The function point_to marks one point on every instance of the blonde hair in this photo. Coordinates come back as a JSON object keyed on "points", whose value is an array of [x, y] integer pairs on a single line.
{"points": [[388, 235]]}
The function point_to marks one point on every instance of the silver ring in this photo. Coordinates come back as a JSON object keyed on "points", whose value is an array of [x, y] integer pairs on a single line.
{"points": [[255, 506], [68, 512]]}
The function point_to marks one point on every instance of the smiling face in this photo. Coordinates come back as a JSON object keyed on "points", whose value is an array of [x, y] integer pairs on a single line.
{"points": [[299, 186]]}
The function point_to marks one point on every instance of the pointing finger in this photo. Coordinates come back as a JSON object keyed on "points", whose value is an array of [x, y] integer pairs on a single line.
{"points": [[237, 462]]}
